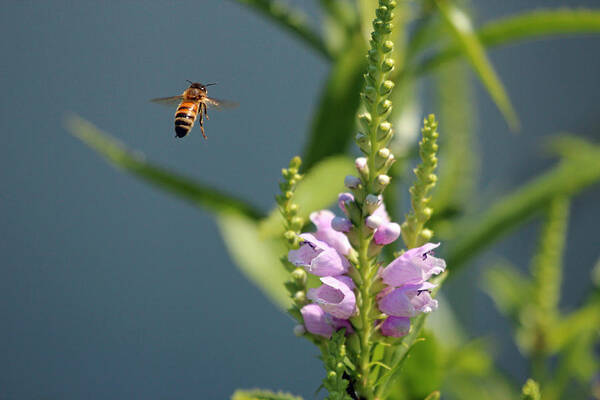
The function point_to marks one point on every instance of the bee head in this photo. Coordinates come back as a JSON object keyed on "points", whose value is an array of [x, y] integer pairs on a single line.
{"points": [[198, 85]]}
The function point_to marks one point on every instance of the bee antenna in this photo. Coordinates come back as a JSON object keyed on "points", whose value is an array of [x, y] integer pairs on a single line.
{"points": [[211, 84], [187, 80]]}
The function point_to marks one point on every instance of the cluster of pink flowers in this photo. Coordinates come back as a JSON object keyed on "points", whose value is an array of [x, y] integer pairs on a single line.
{"points": [[323, 253]]}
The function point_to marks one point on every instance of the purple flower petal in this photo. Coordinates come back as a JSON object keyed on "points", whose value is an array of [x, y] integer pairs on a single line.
{"points": [[382, 213], [407, 301], [340, 224], [343, 198], [318, 257], [337, 240], [395, 326], [386, 233], [413, 267], [335, 297], [318, 322]]}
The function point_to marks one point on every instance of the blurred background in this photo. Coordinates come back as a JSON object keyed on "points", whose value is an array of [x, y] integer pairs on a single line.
{"points": [[112, 289]]}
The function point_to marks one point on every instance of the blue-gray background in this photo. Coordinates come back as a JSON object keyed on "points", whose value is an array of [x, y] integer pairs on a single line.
{"points": [[111, 289]]}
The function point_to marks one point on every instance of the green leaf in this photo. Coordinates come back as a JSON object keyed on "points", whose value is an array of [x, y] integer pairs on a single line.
{"points": [[257, 258], [576, 324], [294, 21], [527, 26], [317, 190], [458, 158], [461, 27], [568, 178], [259, 394], [333, 125], [134, 162], [506, 285]]}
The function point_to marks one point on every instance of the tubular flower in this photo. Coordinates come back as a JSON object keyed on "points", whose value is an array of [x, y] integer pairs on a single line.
{"points": [[413, 267], [408, 292], [395, 326], [319, 322], [325, 233], [407, 301], [386, 231], [335, 296], [318, 257]]}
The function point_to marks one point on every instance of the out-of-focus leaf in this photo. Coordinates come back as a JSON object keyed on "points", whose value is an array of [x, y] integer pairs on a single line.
{"points": [[568, 178], [333, 125], [340, 21], [527, 26], [317, 190], [257, 258], [458, 160], [259, 394], [462, 28], [506, 285], [133, 162], [569, 328], [291, 20], [411, 379]]}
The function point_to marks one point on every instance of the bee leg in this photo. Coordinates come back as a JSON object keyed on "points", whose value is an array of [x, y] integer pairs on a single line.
{"points": [[205, 110], [202, 107]]}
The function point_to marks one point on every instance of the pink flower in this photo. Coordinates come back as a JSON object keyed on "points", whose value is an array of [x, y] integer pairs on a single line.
{"points": [[325, 233], [407, 301], [344, 198], [386, 233], [413, 267], [395, 326], [319, 322], [335, 296], [318, 257]]}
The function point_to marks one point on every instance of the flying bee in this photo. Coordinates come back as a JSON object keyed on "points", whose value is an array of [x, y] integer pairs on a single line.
{"points": [[193, 104]]}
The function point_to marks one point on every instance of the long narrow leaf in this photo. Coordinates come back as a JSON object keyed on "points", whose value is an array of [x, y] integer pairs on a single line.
{"points": [[292, 20], [568, 178], [333, 126], [133, 162], [461, 27], [527, 26], [257, 258], [260, 394]]}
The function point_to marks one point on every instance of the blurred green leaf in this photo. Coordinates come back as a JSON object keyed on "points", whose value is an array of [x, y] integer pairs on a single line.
{"points": [[257, 258], [458, 158], [568, 178], [527, 26], [461, 27], [294, 21], [259, 394], [134, 162], [317, 190], [333, 125], [569, 328], [506, 285]]}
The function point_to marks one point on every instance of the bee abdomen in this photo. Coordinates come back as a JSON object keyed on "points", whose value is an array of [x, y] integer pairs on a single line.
{"points": [[184, 119]]}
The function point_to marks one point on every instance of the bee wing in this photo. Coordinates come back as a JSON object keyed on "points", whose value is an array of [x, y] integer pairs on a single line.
{"points": [[220, 104], [168, 101]]}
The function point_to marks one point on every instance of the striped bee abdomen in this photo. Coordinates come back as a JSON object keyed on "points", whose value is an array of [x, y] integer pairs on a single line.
{"points": [[184, 118]]}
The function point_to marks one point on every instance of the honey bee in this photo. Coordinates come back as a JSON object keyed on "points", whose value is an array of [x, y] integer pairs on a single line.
{"points": [[193, 103]]}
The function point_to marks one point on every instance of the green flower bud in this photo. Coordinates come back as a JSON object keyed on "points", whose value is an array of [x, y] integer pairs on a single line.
{"points": [[384, 107], [388, 64], [386, 87], [297, 223], [387, 46], [299, 276]]}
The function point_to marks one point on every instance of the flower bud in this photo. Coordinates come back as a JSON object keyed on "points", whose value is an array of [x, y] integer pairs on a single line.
{"points": [[387, 46], [341, 224], [299, 276], [388, 65], [365, 120], [363, 142], [361, 166], [381, 182], [372, 202], [386, 233], [384, 107], [299, 330], [374, 221], [344, 198], [352, 182], [299, 296]]}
